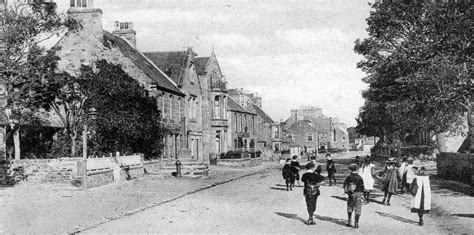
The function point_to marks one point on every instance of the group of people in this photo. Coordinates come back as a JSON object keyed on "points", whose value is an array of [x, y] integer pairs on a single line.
{"points": [[360, 182]]}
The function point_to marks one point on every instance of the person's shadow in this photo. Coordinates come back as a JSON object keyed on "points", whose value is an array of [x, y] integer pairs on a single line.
{"points": [[330, 219], [340, 198], [281, 189], [318, 217], [291, 216], [396, 217]]}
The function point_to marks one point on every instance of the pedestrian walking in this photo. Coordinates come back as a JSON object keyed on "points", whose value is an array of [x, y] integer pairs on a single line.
{"points": [[318, 166], [421, 192], [366, 171], [311, 181], [331, 169], [410, 173], [390, 181], [402, 172], [296, 169], [354, 188], [288, 175]]}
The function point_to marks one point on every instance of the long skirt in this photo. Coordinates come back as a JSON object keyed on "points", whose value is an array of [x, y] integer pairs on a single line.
{"points": [[390, 182]]}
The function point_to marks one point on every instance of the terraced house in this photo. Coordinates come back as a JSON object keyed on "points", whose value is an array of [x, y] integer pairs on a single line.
{"points": [[181, 68], [242, 136]]}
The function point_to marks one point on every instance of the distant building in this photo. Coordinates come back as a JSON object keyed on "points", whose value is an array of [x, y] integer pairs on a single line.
{"points": [[269, 133], [302, 137], [305, 113], [331, 133], [242, 133]]}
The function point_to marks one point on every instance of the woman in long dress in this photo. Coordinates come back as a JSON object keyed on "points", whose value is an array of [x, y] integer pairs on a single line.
{"points": [[421, 191], [366, 172], [390, 182]]}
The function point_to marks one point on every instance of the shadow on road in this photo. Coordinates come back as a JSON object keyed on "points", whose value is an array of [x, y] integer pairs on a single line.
{"points": [[330, 219], [464, 215], [291, 216], [281, 189], [396, 217], [340, 198]]}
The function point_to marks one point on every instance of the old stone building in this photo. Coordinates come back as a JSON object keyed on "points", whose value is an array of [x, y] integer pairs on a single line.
{"points": [[242, 133], [268, 132], [93, 42], [331, 133], [303, 137], [181, 68], [215, 122]]}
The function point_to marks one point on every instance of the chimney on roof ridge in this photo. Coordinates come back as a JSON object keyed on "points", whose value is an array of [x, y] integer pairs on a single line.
{"points": [[89, 17], [126, 31]]}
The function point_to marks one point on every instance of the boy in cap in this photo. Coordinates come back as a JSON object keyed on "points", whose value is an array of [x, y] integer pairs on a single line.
{"points": [[331, 169], [288, 176], [354, 187], [311, 192]]}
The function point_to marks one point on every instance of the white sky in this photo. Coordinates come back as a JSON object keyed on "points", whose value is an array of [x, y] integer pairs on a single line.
{"points": [[292, 53]]}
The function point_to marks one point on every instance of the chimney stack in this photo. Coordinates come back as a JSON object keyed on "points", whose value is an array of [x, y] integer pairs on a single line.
{"points": [[126, 31], [89, 17]]}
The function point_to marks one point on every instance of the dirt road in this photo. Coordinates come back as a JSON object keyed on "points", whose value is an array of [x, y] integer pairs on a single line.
{"points": [[260, 204]]}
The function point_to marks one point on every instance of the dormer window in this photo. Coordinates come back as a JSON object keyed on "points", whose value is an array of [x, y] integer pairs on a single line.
{"points": [[78, 3]]}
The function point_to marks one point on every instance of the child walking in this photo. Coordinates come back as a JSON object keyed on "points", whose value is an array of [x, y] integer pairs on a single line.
{"points": [[366, 172], [354, 187], [331, 169], [390, 181], [421, 191], [296, 169], [288, 176], [311, 192]]}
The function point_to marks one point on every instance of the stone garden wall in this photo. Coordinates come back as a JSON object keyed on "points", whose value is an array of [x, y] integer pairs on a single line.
{"points": [[243, 162], [47, 170]]}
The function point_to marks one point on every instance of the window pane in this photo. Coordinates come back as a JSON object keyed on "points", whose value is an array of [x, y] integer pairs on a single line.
{"points": [[84, 3], [72, 3]]}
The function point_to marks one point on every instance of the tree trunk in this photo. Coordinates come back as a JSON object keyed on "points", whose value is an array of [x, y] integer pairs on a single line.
{"points": [[440, 139], [16, 142], [73, 146]]}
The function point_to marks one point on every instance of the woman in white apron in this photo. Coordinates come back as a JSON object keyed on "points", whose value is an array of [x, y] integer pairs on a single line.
{"points": [[366, 172], [421, 191]]}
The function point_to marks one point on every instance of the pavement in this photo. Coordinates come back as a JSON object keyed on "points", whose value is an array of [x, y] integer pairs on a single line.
{"points": [[230, 200]]}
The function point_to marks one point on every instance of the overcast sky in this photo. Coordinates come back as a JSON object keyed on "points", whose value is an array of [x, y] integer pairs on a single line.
{"points": [[292, 53]]}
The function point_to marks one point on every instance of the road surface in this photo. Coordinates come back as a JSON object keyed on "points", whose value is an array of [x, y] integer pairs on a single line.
{"points": [[260, 204]]}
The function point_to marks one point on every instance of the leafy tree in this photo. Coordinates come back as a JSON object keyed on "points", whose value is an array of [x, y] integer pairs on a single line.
{"points": [[127, 119], [25, 67], [417, 61], [68, 102]]}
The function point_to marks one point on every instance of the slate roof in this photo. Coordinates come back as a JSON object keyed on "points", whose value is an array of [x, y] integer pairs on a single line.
{"points": [[170, 59], [235, 106], [262, 114], [143, 63], [201, 64]]}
